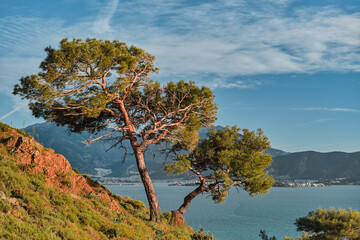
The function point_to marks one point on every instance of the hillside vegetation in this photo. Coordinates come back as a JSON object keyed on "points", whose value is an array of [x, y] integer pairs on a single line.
{"points": [[42, 197]]}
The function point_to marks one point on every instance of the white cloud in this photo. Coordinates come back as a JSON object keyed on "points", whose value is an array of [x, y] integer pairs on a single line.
{"points": [[327, 109], [224, 39], [17, 108], [238, 84], [248, 38], [13, 68], [311, 123], [102, 22]]}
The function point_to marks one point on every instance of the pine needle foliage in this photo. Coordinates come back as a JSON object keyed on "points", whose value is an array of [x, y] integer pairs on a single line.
{"points": [[227, 157], [330, 224], [93, 84]]}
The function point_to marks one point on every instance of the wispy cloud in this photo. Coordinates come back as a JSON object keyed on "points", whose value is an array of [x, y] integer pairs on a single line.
{"points": [[16, 108], [224, 39], [327, 109], [311, 123], [102, 22], [238, 84], [253, 38]]}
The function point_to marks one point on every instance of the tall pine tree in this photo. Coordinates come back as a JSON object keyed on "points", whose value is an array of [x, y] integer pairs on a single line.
{"points": [[93, 84]]}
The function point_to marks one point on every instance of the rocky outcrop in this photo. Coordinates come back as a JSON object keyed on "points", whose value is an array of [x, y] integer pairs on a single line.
{"points": [[56, 168], [13, 201]]}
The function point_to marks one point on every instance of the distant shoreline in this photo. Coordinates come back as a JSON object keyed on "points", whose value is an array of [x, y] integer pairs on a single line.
{"points": [[280, 184]]}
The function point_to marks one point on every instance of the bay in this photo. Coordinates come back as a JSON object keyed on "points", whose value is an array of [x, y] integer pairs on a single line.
{"points": [[242, 216]]}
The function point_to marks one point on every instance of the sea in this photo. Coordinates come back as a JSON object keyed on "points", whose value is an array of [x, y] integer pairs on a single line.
{"points": [[242, 216]]}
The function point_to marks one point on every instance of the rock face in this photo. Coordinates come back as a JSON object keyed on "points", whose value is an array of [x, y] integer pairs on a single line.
{"points": [[57, 169]]}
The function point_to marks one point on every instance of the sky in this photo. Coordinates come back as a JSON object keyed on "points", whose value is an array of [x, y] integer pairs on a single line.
{"points": [[289, 67]]}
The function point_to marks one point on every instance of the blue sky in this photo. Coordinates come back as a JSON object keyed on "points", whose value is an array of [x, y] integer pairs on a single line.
{"points": [[289, 67]]}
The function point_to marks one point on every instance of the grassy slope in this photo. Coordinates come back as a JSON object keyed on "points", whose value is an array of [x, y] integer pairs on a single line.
{"points": [[32, 207]]}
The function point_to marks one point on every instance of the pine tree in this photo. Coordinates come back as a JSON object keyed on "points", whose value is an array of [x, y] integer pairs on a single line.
{"points": [[92, 85], [330, 224], [227, 157]]}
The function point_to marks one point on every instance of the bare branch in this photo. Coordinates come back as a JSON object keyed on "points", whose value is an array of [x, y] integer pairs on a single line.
{"points": [[105, 135], [72, 91]]}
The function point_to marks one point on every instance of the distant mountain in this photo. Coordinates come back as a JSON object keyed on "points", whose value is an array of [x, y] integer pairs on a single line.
{"points": [[275, 152], [82, 157], [203, 131], [95, 159], [316, 165]]}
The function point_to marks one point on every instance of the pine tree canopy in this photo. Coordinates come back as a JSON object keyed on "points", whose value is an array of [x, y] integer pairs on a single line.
{"points": [[228, 157], [330, 224], [93, 84]]}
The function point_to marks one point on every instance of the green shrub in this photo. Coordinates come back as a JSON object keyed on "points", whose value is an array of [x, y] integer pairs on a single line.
{"points": [[66, 182], [109, 230], [119, 217], [4, 127], [18, 193], [166, 217], [201, 235], [100, 190], [36, 146], [38, 184], [136, 204], [93, 195], [4, 206], [61, 174], [22, 132], [94, 184]]}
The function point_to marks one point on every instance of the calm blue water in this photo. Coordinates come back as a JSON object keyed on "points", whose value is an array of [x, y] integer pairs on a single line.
{"points": [[241, 216]]}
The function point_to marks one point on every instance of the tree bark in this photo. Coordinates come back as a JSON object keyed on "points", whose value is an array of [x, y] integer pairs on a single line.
{"points": [[140, 162], [177, 218], [148, 185], [177, 215]]}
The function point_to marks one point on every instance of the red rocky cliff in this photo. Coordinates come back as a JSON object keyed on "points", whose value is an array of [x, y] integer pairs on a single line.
{"points": [[55, 167]]}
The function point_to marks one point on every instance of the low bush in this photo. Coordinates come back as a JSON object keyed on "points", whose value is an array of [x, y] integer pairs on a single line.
{"points": [[202, 235]]}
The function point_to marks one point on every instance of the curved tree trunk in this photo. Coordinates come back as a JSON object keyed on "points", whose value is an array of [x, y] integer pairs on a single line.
{"points": [[148, 185], [177, 218], [177, 215], [140, 162]]}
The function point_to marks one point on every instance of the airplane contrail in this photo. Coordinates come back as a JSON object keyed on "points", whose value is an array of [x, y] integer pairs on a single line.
{"points": [[12, 111]]}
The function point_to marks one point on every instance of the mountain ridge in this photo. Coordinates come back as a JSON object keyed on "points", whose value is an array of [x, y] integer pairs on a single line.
{"points": [[316, 165], [96, 156]]}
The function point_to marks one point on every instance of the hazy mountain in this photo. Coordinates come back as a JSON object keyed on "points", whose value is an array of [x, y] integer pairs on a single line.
{"points": [[82, 157], [88, 159], [275, 152], [316, 165]]}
